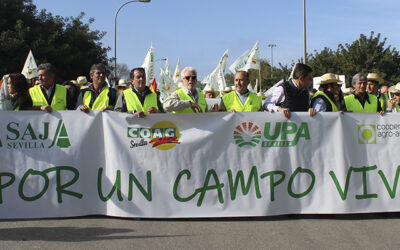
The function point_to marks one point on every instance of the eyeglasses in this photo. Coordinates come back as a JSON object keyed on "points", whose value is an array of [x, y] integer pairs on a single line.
{"points": [[190, 77]]}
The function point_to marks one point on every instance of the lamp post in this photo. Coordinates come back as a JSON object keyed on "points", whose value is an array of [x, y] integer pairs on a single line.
{"points": [[115, 32], [272, 56], [304, 32]]}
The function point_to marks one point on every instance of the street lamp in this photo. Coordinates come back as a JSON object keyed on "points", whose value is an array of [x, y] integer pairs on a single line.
{"points": [[115, 32], [304, 31], [272, 56]]}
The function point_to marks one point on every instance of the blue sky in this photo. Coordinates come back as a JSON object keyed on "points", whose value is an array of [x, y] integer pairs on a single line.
{"points": [[200, 31]]}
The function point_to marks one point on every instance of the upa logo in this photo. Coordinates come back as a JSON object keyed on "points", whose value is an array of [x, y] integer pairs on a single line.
{"points": [[366, 134], [22, 136], [285, 134], [279, 134], [163, 135], [247, 133]]}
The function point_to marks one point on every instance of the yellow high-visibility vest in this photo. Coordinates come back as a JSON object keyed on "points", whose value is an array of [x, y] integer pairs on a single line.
{"points": [[353, 105], [186, 97], [321, 93], [59, 101], [102, 101], [232, 101], [133, 102]]}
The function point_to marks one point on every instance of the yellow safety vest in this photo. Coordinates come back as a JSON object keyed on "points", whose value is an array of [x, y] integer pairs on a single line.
{"points": [[101, 102], [383, 99], [133, 102], [59, 101], [353, 105], [186, 97], [232, 101], [321, 93]]}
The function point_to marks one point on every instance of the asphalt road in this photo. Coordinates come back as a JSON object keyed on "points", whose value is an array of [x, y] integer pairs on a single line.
{"points": [[368, 231]]}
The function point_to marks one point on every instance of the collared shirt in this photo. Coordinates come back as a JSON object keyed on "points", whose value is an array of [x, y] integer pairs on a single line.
{"points": [[243, 97], [277, 97]]}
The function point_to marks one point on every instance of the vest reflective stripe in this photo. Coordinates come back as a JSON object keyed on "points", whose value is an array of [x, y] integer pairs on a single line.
{"points": [[352, 104], [321, 93], [59, 101], [133, 102], [232, 101], [100, 102], [383, 99], [186, 97]]}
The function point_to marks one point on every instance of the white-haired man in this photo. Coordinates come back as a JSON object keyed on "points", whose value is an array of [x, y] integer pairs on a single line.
{"points": [[186, 99]]}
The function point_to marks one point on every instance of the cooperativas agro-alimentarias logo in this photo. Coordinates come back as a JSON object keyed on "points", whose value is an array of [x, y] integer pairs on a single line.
{"points": [[278, 134], [366, 134]]}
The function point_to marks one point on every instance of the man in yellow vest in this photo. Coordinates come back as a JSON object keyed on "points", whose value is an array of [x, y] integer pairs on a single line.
{"points": [[361, 101], [374, 80], [48, 96], [98, 95], [186, 99], [241, 100], [138, 99], [324, 99]]}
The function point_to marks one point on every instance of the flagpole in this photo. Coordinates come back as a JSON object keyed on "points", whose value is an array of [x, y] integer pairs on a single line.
{"points": [[259, 75]]}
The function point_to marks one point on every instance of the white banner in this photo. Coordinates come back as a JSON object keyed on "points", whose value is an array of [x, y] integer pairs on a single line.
{"points": [[196, 165]]}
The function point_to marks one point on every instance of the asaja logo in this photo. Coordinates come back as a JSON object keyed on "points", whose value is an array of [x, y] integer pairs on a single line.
{"points": [[163, 135], [366, 134], [247, 133], [279, 134], [26, 136]]}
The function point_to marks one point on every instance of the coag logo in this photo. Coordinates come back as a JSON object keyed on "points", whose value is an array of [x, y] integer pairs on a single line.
{"points": [[163, 135], [247, 133], [22, 136], [279, 134], [366, 134]]}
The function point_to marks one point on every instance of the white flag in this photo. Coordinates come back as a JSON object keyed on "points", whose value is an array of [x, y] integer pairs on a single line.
{"points": [[30, 67], [177, 73], [249, 60], [167, 69], [148, 65], [165, 85], [5, 100], [216, 79]]}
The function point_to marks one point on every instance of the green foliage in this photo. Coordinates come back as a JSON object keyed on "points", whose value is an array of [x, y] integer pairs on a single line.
{"points": [[67, 43]]}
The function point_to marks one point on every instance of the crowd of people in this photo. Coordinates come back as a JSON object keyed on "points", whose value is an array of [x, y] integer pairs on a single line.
{"points": [[369, 94]]}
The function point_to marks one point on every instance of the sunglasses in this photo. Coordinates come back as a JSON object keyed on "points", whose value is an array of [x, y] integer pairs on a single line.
{"points": [[190, 77]]}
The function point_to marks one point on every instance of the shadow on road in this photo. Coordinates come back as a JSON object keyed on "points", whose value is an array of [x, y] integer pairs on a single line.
{"points": [[69, 234]]}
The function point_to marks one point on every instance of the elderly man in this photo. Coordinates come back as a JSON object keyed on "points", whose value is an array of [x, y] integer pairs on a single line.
{"points": [[186, 99], [292, 95], [138, 99], [98, 95], [48, 96], [241, 100], [373, 88], [361, 101]]}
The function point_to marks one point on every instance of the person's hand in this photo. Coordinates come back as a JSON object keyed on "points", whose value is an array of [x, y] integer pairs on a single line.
{"points": [[232, 110], [140, 114], [84, 108], [106, 109], [391, 104], [285, 111], [215, 107], [152, 110], [196, 108], [47, 109], [381, 112], [312, 112]]}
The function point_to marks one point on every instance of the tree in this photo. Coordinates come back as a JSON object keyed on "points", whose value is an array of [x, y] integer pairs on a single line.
{"points": [[367, 54], [67, 43]]}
